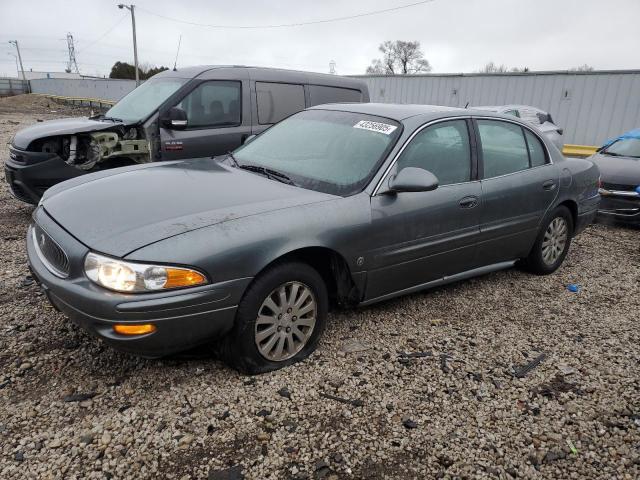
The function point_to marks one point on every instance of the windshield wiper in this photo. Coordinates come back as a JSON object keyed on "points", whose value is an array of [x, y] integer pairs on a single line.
{"points": [[233, 159], [113, 119], [268, 172]]}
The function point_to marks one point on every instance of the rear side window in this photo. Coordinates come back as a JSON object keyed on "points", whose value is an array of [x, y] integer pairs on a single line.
{"points": [[278, 100], [536, 150], [503, 148], [213, 104], [443, 149], [320, 94]]}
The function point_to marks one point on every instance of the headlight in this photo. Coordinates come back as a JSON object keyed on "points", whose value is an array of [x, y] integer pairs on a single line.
{"points": [[133, 277]]}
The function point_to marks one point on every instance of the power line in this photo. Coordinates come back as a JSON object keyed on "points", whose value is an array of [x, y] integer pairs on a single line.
{"points": [[284, 25], [103, 35]]}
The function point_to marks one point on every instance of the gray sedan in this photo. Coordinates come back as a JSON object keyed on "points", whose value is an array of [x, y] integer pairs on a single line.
{"points": [[345, 204]]}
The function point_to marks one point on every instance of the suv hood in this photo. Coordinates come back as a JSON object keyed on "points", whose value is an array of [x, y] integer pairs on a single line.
{"points": [[63, 126], [132, 207], [620, 170]]}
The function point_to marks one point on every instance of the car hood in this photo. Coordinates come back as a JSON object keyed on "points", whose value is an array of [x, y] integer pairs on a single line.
{"points": [[119, 213], [620, 170], [61, 126]]}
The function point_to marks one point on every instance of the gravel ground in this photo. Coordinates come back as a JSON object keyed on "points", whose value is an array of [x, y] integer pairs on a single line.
{"points": [[429, 385]]}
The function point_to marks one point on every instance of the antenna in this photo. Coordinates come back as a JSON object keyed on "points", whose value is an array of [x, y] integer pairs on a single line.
{"points": [[176, 61], [332, 67], [72, 65]]}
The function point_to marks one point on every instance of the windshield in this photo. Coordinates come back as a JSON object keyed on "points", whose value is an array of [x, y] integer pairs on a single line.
{"points": [[328, 151], [625, 147], [145, 99]]}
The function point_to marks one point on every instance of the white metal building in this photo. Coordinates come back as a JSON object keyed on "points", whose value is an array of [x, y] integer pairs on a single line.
{"points": [[590, 106]]}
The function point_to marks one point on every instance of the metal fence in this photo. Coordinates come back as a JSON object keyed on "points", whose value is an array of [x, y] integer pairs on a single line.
{"points": [[590, 106], [104, 89], [12, 86]]}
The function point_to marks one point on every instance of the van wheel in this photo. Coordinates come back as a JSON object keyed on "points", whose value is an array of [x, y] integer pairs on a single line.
{"points": [[279, 320], [552, 244]]}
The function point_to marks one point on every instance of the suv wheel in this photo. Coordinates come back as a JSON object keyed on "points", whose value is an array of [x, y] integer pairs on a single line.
{"points": [[279, 320], [552, 243]]}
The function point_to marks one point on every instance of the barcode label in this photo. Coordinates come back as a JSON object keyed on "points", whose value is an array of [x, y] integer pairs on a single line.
{"points": [[375, 127]]}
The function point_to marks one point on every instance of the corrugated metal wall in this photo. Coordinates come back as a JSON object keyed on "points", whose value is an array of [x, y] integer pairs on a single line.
{"points": [[104, 89], [12, 86], [590, 106]]}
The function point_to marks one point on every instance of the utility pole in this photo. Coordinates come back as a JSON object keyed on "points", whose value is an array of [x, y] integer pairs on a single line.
{"points": [[72, 65], [131, 8], [24, 77]]}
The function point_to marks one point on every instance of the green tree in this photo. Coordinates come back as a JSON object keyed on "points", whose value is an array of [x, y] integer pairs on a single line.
{"points": [[127, 71]]}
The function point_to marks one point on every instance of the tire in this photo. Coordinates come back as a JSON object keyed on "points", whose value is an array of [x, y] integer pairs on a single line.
{"points": [[549, 251], [245, 346]]}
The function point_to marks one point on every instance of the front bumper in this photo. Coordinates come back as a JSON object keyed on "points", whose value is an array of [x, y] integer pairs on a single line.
{"points": [[183, 318], [621, 207], [30, 174]]}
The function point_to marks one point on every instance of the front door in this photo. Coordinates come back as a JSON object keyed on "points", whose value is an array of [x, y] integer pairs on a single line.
{"points": [[423, 236], [218, 121]]}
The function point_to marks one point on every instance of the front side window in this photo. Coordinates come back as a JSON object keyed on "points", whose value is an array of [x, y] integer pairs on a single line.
{"points": [[329, 151], [503, 148], [278, 100], [145, 99], [443, 149], [213, 104]]}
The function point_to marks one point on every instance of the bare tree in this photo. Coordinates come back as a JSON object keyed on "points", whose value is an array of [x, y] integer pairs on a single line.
{"points": [[399, 57], [582, 68], [493, 68]]}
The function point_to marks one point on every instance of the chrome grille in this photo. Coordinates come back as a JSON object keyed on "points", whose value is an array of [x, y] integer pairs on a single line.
{"points": [[50, 253]]}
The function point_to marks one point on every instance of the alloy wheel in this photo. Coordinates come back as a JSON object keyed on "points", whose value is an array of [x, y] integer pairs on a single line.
{"points": [[555, 240], [285, 321]]}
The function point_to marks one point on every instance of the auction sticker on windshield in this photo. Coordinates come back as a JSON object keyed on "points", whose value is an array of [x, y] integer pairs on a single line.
{"points": [[375, 127]]}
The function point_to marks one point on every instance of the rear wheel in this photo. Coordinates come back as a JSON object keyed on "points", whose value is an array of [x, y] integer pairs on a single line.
{"points": [[279, 320], [552, 244]]}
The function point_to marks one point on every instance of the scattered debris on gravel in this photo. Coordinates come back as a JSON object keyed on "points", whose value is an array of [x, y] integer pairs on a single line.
{"points": [[505, 376]]}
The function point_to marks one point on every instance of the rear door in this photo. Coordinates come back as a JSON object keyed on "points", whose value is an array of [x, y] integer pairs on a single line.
{"points": [[519, 184], [423, 236], [218, 120]]}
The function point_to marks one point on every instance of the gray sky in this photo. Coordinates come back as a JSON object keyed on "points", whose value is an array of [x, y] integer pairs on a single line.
{"points": [[456, 35]]}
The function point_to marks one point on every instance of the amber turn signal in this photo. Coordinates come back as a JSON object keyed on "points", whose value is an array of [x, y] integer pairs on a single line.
{"points": [[141, 329], [181, 277]]}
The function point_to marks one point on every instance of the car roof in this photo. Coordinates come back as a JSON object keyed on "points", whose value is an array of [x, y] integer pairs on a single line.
{"points": [[394, 111], [257, 72], [503, 108]]}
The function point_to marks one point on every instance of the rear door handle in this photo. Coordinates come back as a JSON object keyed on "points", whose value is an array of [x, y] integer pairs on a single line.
{"points": [[469, 202], [549, 185]]}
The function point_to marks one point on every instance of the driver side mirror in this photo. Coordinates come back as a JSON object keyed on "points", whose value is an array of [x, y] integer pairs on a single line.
{"points": [[175, 118], [413, 179]]}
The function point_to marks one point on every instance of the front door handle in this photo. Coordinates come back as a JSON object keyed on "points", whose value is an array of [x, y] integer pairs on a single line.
{"points": [[549, 185], [469, 202]]}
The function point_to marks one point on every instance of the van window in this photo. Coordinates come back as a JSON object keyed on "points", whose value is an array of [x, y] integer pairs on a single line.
{"points": [[214, 103], [320, 94], [278, 100]]}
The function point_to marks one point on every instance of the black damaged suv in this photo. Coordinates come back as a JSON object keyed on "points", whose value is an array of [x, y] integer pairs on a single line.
{"points": [[193, 112]]}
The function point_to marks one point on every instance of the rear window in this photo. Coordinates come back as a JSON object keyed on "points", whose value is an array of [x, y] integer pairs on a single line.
{"points": [[320, 94], [278, 100]]}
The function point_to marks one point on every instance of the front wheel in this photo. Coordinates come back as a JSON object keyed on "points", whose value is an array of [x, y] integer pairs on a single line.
{"points": [[279, 320], [552, 243]]}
